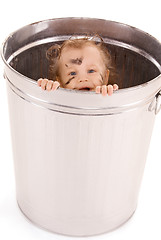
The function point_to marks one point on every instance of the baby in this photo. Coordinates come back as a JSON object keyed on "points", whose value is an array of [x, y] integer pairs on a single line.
{"points": [[79, 64]]}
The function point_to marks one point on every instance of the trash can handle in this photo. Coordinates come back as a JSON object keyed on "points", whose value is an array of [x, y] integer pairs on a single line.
{"points": [[156, 103]]}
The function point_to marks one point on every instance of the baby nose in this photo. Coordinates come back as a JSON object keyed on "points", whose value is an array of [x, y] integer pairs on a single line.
{"points": [[83, 80], [83, 77]]}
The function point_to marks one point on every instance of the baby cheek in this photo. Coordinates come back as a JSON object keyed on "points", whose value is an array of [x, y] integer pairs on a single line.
{"points": [[96, 79], [71, 85]]}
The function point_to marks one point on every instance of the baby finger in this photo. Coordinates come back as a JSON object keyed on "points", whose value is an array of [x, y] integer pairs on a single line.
{"points": [[39, 81], [98, 89], [115, 87], [56, 84], [110, 90], [104, 90], [49, 85], [44, 83]]}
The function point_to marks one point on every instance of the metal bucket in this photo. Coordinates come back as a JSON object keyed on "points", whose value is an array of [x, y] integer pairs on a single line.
{"points": [[79, 157]]}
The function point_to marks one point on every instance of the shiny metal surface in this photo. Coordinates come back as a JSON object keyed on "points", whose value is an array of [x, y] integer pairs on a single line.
{"points": [[79, 157]]}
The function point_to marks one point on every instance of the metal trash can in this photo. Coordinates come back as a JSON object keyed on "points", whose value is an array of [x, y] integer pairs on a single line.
{"points": [[79, 157]]}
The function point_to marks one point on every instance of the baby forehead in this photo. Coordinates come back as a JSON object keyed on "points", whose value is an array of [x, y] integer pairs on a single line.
{"points": [[85, 51]]}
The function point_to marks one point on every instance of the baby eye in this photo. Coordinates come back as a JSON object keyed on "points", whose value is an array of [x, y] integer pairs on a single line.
{"points": [[91, 71], [73, 73]]}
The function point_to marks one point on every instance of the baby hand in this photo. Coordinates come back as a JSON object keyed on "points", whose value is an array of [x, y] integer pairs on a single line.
{"points": [[106, 89], [48, 85]]}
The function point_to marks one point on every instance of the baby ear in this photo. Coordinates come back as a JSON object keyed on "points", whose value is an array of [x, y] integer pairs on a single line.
{"points": [[53, 52], [106, 78]]}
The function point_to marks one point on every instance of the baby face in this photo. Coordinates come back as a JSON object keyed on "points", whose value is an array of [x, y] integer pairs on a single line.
{"points": [[82, 69]]}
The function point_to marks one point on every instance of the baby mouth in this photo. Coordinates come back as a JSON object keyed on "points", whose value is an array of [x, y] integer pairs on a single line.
{"points": [[85, 89]]}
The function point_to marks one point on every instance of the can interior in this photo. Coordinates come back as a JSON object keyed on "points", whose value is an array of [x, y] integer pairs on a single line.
{"points": [[131, 67]]}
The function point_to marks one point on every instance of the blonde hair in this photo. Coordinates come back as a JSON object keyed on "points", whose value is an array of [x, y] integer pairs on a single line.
{"points": [[53, 54]]}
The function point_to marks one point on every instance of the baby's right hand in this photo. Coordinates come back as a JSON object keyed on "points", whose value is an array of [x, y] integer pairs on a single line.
{"points": [[48, 85]]}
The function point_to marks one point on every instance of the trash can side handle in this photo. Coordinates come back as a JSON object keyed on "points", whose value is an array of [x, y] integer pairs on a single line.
{"points": [[155, 105], [158, 102]]}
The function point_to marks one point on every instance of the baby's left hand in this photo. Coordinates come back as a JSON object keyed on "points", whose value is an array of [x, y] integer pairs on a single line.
{"points": [[109, 89]]}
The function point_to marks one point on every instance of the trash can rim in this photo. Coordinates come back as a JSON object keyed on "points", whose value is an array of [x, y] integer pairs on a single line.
{"points": [[133, 88]]}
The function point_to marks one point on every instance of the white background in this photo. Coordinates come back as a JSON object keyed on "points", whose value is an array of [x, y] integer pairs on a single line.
{"points": [[146, 15]]}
